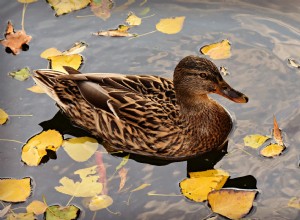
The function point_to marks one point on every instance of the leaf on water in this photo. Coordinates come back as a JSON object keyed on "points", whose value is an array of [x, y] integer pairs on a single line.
{"points": [[123, 162], [50, 52], [294, 63], [272, 150], [231, 203], [36, 89], [100, 202], [123, 176], [15, 190], [36, 147], [77, 48], [27, 1], [255, 140], [294, 203], [121, 31], [170, 25], [87, 187], [66, 6], [3, 116], [220, 50], [101, 171], [21, 216], [80, 149], [21, 74], [56, 212], [201, 183], [57, 62], [5, 210], [145, 11], [277, 133], [37, 207], [102, 8], [133, 20], [143, 186], [15, 41], [224, 71]]}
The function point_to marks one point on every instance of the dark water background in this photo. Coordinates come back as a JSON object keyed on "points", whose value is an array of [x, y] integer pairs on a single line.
{"points": [[263, 36]]}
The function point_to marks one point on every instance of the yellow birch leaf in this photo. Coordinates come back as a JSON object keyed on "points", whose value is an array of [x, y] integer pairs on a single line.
{"points": [[36, 89], [36, 147], [133, 20], [57, 62], [272, 150], [231, 203], [277, 133], [87, 187], [170, 25], [123, 162], [50, 52], [80, 149], [21, 216], [100, 202], [220, 50], [67, 6], [143, 186], [212, 173], [3, 116], [37, 207], [294, 203], [255, 140], [15, 190], [27, 1]]}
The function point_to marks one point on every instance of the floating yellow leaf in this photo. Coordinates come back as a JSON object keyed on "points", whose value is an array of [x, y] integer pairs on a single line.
{"points": [[272, 150], [170, 25], [3, 116], [101, 8], [36, 89], [50, 52], [21, 74], [123, 176], [37, 207], [100, 202], [277, 133], [133, 20], [27, 1], [255, 140], [231, 203], [121, 31], [57, 62], [143, 186], [220, 50], [56, 212], [36, 147], [21, 216], [15, 190], [80, 149], [123, 162], [294, 203], [88, 187], [67, 6]]}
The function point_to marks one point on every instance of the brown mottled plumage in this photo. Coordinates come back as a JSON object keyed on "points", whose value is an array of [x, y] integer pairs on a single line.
{"points": [[148, 115]]}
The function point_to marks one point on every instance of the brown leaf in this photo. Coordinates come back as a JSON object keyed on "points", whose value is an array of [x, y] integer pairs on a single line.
{"points": [[102, 171], [121, 31], [101, 8], [123, 176], [277, 133], [15, 41]]}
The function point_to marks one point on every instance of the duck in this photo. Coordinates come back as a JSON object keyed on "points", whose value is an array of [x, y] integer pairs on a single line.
{"points": [[148, 115]]}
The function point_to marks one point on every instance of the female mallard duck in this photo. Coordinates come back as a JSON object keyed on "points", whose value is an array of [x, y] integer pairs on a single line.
{"points": [[148, 115]]}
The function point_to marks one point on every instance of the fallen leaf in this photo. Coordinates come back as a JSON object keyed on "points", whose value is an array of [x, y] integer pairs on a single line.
{"points": [[277, 133], [143, 186], [272, 150], [133, 20], [145, 11], [100, 202], [255, 140], [66, 6], [294, 63], [87, 187], [80, 149], [36, 89], [123, 176], [27, 1], [102, 8], [57, 62], [224, 71], [220, 50], [170, 25], [123, 162], [294, 203], [21, 216], [56, 212], [15, 190], [50, 52], [21, 74], [5, 210], [3, 116], [231, 203], [121, 31], [101, 171], [36, 147], [14, 42], [37, 207], [77, 48]]}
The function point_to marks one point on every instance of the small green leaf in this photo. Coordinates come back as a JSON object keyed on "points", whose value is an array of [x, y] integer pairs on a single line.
{"points": [[57, 212], [123, 162], [255, 140], [21, 74]]}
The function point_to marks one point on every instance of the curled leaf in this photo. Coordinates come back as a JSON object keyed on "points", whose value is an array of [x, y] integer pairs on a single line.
{"points": [[170, 25], [77, 48], [143, 186], [121, 31], [123, 162], [255, 140], [294, 63], [15, 190], [272, 150], [3, 116], [277, 133], [123, 176], [66, 6], [133, 20], [21, 74], [220, 50], [57, 62], [100, 202]]}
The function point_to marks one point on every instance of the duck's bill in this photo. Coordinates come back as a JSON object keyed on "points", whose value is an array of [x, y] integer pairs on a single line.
{"points": [[225, 90]]}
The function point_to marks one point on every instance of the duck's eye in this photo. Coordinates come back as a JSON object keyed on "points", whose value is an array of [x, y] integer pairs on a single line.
{"points": [[203, 75]]}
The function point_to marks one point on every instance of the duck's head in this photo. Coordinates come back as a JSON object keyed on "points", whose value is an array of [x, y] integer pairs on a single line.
{"points": [[195, 77]]}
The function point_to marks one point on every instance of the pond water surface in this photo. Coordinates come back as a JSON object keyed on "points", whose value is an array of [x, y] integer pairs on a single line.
{"points": [[263, 36]]}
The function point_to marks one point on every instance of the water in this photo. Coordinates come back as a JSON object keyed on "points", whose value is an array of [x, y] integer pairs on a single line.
{"points": [[263, 36]]}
